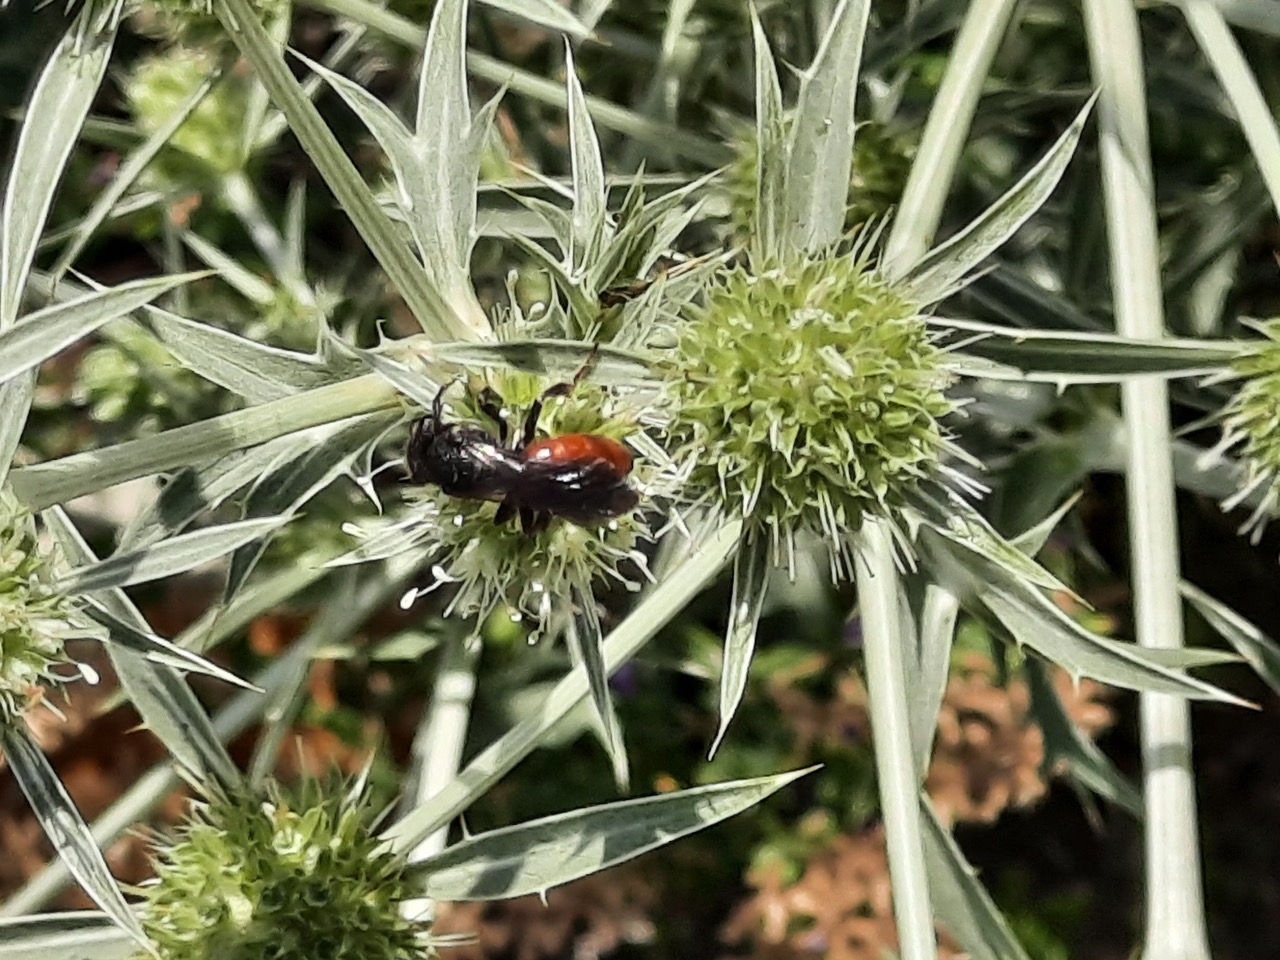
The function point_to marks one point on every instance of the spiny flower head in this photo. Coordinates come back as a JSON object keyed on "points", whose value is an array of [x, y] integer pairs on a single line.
{"points": [[1251, 422], [538, 576], [36, 619], [258, 876], [806, 397]]}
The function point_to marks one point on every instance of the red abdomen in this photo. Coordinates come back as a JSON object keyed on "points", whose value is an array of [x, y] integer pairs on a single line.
{"points": [[573, 448]]}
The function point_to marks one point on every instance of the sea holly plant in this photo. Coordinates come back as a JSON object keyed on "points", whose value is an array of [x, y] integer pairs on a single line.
{"points": [[797, 393]]}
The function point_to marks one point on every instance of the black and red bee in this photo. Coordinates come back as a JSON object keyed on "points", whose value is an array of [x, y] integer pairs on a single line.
{"points": [[581, 477]]}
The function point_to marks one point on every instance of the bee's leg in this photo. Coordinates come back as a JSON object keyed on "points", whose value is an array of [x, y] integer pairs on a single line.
{"points": [[506, 510], [555, 390], [533, 523], [491, 406]]}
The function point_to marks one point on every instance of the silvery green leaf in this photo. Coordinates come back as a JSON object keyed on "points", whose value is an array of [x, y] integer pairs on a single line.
{"points": [[65, 828], [1034, 621], [750, 580], [159, 693], [60, 101], [408, 381], [1072, 356], [156, 649], [772, 159], [253, 370], [822, 133], [590, 198], [581, 304], [1030, 541], [15, 404], [554, 358], [175, 555], [1063, 742], [941, 271], [558, 221], [47, 332], [927, 681], [1259, 650], [959, 899], [585, 638], [81, 934], [535, 856], [292, 481], [448, 172], [958, 521]]}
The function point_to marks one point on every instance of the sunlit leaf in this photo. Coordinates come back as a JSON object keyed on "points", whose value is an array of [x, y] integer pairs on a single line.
{"points": [[822, 133], [941, 271], [535, 856], [585, 639], [82, 933], [65, 828], [750, 577], [61, 100], [47, 332], [159, 693], [175, 555]]}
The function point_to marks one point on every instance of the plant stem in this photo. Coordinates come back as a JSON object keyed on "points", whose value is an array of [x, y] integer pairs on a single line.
{"points": [[437, 746], [1175, 927], [946, 132], [883, 647]]}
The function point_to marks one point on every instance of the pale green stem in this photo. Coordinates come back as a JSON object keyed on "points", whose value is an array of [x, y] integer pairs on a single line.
{"points": [[946, 132], [244, 709], [914, 225], [883, 646], [45, 484], [1175, 928], [437, 746]]}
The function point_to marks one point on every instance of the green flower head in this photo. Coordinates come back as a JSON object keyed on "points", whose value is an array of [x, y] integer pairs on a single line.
{"points": [[1251, 423], [260, 877], [806, 397], [211, 142], [536, 576], [36, 619]]}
